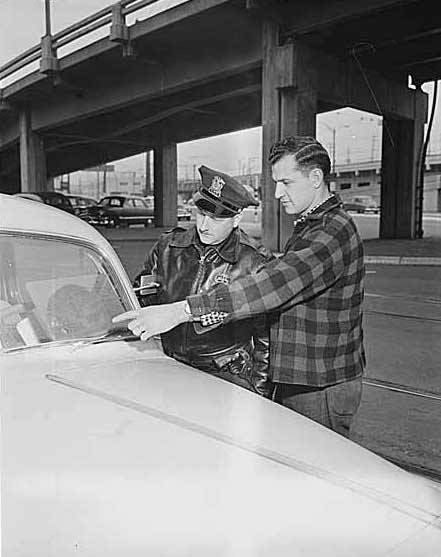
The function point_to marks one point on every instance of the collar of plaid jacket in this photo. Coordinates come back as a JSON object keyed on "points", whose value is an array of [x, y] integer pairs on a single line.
{"points": [[331, 203], [227, 250]]}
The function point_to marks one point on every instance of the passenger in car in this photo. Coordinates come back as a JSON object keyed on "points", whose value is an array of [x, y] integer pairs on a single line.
{"points": [[213, 251], [74, 312]]}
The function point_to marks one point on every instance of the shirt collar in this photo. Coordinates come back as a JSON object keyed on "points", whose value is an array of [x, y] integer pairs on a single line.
{"points": [[318, 213]]}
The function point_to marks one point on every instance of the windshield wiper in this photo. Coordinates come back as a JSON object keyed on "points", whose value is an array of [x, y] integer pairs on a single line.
{"points": [[116, 333]]}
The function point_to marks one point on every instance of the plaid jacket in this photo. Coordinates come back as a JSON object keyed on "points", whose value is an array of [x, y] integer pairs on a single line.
{"points": [[315, 294]]}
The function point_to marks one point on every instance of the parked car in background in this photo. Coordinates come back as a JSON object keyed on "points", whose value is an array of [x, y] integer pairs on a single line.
{"points": [[53, 198], [110, 448], [184, 212], [121, 210], [361, 204], [81, 204]]}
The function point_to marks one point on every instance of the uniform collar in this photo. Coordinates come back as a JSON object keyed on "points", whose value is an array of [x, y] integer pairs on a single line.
{"points": [[227, 250]]}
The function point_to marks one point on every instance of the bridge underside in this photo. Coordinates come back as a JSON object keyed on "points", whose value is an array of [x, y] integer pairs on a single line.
{"points": [[205, 68]]}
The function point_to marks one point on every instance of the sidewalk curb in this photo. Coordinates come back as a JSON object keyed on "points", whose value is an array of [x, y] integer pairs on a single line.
{"points": [[400, 260]]}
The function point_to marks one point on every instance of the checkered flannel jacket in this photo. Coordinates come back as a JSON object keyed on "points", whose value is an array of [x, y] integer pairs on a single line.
{"points": [[315, 294]]}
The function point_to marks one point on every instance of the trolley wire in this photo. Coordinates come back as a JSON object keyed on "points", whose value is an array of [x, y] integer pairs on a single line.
{"points": [[403, 389], [416, 299]]}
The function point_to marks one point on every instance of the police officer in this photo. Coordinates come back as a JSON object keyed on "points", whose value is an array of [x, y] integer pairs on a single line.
{"points": [[214, 250]]}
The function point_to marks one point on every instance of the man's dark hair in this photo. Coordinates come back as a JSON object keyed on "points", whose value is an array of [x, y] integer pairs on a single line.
{"points": [[308, 153]]}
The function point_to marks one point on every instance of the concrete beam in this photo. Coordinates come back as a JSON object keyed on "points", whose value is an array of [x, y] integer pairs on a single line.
{"points": [[289, 107], [154, 73], [309, 16], [165, 187], [343, 83], [237, 114], [179, 73], [401, 155], [32, 157]]}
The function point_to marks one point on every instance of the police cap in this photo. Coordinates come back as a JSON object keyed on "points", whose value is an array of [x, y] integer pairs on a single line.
{"points": [[221, 195]]}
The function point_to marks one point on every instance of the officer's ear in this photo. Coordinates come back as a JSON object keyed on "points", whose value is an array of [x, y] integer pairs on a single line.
{"points": [[236, 219]]}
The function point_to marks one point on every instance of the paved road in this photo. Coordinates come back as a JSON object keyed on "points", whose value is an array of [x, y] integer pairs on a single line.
{"points": [[403, 332]]}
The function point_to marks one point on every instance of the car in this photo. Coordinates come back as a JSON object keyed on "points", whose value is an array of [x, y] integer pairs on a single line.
{"points": [[184, 212], [121, 210], [81, 204], [361, 204], [110, 447], [54, 198]]}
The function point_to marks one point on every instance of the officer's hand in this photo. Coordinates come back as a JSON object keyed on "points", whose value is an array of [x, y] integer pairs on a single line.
{"points": [[153, 320]]}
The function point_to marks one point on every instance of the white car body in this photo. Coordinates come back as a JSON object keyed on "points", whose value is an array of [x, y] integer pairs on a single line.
{"points": [[110, 448]]}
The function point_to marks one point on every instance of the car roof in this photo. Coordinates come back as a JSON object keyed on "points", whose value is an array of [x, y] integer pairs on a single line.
{"points": [[79, 195], [24, 215], [123, 196]]}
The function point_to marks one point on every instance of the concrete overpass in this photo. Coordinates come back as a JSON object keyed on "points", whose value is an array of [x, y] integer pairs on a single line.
{"points": [[207, 67]]}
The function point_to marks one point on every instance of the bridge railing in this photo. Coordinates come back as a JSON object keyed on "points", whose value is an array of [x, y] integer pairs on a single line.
{"points": [[46, 51]]}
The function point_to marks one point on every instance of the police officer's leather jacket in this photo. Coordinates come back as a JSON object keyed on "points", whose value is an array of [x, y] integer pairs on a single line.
{"points": [[182, 265]]}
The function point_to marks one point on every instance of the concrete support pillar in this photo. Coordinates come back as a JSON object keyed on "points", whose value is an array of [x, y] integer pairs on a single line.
{"points": [[166, 185], [289, 107], [402, 141], [148, 174], [32, 157]]}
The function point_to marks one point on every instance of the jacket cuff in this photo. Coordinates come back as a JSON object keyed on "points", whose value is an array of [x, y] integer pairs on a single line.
{"points": [[208, 309]]}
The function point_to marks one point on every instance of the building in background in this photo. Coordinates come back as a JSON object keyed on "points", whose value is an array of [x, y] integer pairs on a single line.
{"points": [[348, 180], [364, 178]]}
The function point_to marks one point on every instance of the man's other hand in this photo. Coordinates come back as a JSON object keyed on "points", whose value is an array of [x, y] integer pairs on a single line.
{"points": [[153, 320]]}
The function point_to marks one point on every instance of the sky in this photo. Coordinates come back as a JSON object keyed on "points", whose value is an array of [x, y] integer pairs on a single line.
{"points": [[357, 134]]}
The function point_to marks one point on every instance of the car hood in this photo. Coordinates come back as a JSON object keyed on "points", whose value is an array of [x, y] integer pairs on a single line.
{"points": [[119, 450]]}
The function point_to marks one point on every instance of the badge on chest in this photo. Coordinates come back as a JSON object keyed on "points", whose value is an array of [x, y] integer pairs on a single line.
{"points": [[220, 275]]}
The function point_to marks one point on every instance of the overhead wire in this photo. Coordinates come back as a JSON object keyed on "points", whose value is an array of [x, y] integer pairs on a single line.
{"points": [[370, 87]]}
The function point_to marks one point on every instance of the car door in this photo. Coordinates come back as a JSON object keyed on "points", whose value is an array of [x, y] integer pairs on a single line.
{"points": [[116, 209], [129, 213], [142, 213]]}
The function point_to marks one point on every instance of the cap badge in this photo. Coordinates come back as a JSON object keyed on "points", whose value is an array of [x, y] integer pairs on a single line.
{"points": [[217, 183]]}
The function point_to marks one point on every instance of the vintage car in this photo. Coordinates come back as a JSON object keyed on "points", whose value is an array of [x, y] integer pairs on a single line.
{"points": [[110, 448], [81, 204], [361, 204], [54, 198], [121, 210], [183, 212]]}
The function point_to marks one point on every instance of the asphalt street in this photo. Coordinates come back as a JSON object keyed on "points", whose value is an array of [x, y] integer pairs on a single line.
{"points": [[403, 330], [400, 414]]}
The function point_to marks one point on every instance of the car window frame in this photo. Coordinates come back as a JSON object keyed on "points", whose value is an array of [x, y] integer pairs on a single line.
{"points": [[121, 202], [107, 266]]}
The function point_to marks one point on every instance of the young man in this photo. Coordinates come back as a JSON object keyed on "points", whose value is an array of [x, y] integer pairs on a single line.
{"points": [[213, 251], [316, 288]]}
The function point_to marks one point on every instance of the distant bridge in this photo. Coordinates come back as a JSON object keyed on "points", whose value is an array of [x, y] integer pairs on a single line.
{"points": [[206, 67]]}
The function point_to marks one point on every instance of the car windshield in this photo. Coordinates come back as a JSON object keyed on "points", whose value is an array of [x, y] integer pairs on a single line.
{"points": [[55, 290]]}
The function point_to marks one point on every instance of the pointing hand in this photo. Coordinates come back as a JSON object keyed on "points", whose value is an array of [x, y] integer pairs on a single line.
{"points": [[152, 320]]}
